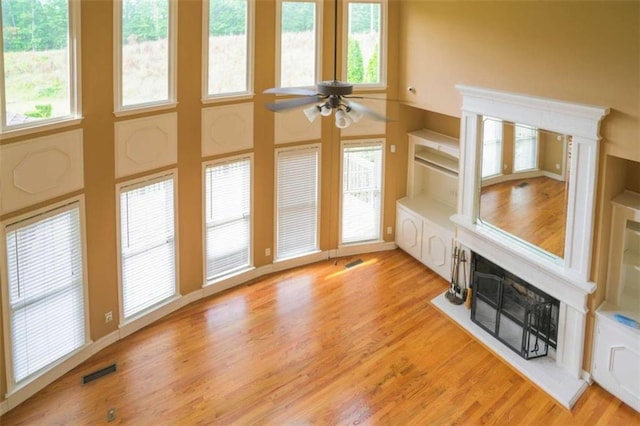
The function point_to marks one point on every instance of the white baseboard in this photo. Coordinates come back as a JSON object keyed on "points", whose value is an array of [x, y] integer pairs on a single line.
{"points": [[3, 407], [351, 250]]}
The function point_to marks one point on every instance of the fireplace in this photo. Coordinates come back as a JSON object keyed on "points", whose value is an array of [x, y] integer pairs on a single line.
{"points": [[518, 314]]}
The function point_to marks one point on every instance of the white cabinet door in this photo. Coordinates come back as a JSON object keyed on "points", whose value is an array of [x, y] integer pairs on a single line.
{"points": [[436, 249], [409, 232], [616, 364]]}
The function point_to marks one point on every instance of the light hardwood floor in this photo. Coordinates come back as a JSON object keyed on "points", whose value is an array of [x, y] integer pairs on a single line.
{"points": [[320, 344], [533, 209]]}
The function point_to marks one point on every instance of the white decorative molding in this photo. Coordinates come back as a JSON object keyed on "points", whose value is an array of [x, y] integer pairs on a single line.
{"points": [[368, 126], [39, 169], [144, 144], [567, 278], [227, 128], [293, 126]]}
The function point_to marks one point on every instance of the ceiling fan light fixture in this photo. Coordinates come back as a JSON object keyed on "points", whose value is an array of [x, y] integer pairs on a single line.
{"points": [[342, 119], [325, 109], [312, 113], [354, 115]]}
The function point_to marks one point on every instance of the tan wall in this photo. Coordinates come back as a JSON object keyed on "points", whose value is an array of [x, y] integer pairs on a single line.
{"points": [[576, 51], [99, 157]]}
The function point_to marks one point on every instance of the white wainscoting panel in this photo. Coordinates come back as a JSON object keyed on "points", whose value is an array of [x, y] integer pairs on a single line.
{"points": [[144, 144], [293, 126], [227, 128], [39, 169], [368, 126]]}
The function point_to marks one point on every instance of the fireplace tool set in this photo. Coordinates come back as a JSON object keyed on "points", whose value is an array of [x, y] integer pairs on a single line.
{"points": [[456, 293]]}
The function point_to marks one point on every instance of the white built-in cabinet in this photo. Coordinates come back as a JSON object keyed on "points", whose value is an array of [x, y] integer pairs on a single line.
{"points": [[616, 359], [423, 225]]}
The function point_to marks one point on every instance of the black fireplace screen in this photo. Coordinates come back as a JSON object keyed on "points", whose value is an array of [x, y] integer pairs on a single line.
{"points": [[518, 314]]}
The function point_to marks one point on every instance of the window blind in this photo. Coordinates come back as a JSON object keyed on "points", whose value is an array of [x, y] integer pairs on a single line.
{"points": [[46, 290], [297, 202], [148, 265], [526, 148], [361, 192], [228, 217]]}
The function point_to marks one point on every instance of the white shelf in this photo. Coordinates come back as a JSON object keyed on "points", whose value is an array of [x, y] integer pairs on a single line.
{"points": [[434, 210], [437, 141], [430, 157], [608, 310]]}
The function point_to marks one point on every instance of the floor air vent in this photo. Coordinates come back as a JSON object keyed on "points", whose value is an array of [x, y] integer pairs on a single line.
{"points": [[352, 264], [100, 373]]}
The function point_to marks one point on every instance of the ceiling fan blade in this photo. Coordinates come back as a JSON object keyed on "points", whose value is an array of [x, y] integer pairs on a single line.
{"points": [[291, 103], [365, 110], [291, 91]]}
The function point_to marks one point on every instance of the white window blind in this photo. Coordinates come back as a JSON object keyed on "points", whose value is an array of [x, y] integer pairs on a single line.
{"points": [[147, 239], [361, 192], [297, 202], [46, 290], [525, 156], [491, 147], [228, 217]]}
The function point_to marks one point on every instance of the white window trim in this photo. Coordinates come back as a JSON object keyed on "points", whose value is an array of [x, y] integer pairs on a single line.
{"points": [[319, 28], [275, 202], [363, 142], [75, 86], [234, 272], [500, 151], [133, 184], [118, 109], [383, 45], [38, 380], [251, 24]]}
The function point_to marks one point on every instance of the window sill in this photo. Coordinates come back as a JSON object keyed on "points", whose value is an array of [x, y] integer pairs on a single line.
{"points": [[227, 98], [125, 112], [40, 128]]}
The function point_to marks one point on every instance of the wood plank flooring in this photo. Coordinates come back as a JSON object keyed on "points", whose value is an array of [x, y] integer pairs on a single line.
{"points": [[533, 209], [320, 344]]}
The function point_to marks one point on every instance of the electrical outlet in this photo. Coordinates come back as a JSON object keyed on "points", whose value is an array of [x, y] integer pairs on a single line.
{"points": [[108, 317], [557, 166], [267, 252], [389, 230], [111, 414], [392, 148]]}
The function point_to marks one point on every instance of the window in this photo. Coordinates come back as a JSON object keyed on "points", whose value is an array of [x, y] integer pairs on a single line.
{"points": [[145, 53], [365, 42], [46, 291], [228, 217], [298, 42], [227, 45], [147, 245], [526, 148], [491, 147], [361, 192], [297, 177], [40, 45]]}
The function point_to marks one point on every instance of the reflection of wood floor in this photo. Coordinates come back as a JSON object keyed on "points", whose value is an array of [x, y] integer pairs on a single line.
{"points": [[320, 344], [532, 209]]}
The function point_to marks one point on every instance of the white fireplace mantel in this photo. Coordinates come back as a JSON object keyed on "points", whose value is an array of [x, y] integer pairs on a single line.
{"points": [[567, 278]]}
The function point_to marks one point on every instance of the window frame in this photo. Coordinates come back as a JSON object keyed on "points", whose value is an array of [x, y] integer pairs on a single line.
{"points": [[382, 53], [250, 265], [249, 92], [318, 53], [536, 148], [381, 142], [132, 185], [120, 110], [317, 147], [75, 84], [18, 222]]}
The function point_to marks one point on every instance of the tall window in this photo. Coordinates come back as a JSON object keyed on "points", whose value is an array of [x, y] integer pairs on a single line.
{"points": [[147, 245], [491, 147], [228, 217], [228, 38], [365, 42], [145, 34], [297, 174], [525, 155], [45, 291], [40, 44], [361, 192], [299, 40]]}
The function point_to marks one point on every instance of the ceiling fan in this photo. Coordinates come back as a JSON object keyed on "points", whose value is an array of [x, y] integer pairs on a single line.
{"points": [[328, 96]]}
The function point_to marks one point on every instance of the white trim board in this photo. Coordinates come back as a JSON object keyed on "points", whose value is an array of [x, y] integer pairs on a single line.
{"points": [[544, 372]]}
